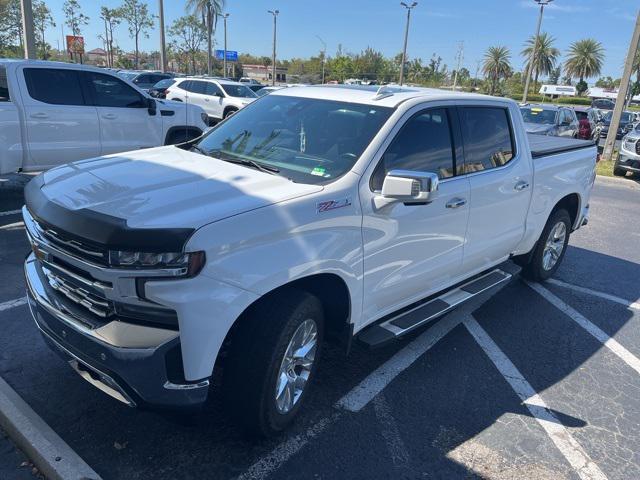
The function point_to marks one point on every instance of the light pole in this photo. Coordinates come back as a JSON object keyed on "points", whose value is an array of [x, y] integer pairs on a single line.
{"points": [[406, 38], [163, 46], [27, 31], [324, 55], [542, 3], [273, 57], [224, 57]]}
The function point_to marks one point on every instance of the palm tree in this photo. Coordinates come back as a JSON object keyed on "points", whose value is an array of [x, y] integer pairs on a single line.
{"points": [[545, 59], [585, 59], [208, 10], [496, 65]]}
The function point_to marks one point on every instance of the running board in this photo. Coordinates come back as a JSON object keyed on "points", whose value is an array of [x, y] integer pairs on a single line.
{"points": [[396, 325]]}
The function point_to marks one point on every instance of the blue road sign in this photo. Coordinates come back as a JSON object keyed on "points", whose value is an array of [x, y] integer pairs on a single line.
{"points": [[232, 56]]}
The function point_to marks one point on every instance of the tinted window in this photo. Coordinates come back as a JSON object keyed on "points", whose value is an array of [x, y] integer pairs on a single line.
{"points": [[538, 115], [487, 138], [143, 79], [198, 86], [582, 115], [238, 91], [54, 86], [186, 85], [213, 89], [165, 83], [108, 91], [4, 87], [423, 145]]}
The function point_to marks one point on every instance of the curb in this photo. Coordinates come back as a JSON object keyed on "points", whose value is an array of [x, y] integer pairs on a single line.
{"points": [[53, 457], [627, 182]]}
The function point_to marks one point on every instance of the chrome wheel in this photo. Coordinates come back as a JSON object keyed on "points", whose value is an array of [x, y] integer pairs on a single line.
{"points": [[554, 246], [296, 366]]}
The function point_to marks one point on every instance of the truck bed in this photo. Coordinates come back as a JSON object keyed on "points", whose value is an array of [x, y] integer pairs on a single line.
{"points": [[543, 145]]}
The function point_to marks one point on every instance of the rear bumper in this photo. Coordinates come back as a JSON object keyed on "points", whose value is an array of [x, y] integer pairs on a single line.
{"points": [[143, 377]]}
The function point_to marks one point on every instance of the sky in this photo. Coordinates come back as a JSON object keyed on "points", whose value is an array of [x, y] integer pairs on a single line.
{"points": [[437, 26]]}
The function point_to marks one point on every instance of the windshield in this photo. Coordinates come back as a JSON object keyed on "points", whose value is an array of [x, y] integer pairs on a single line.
{"points": [[539, 116], [308, 140], [238, 91], [626, 117], [166, 83]]}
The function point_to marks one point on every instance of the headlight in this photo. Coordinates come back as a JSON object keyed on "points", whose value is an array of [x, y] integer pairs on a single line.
{"points": [[204, 117], [185, 264]]}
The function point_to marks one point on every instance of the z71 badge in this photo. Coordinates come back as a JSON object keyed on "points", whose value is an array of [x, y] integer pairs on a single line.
{"points": [[332, 205]]}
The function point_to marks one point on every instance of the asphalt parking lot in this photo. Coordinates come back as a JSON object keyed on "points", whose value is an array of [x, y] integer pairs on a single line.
{"points": [[537, 383]]}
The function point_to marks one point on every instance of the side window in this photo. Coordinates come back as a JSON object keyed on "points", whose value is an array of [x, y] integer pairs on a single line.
{"points": [[487, 137], [423, 144], [4, 86], [108, 91], [185, 85], [213, 89], [54, 86], [198, 86], [144, 78]]}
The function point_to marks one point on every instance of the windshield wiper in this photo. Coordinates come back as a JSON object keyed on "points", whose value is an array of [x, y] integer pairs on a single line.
{"points": [[245, 161], [199, 149]]}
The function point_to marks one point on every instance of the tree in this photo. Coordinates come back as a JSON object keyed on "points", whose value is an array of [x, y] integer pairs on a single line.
{"points": [[208, 10], [111, 17], [74, 18], [340, 68], [137, 16], [496, 65], [554, 76], [584, 60], [187, 34], [546, 56], [10, 25], [42, 19], [635, 89]]}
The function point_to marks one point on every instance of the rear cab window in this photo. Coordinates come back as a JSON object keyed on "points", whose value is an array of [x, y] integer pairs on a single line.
{"points": [[4, 85], [487, 137], [109, 91], [55, 86]]}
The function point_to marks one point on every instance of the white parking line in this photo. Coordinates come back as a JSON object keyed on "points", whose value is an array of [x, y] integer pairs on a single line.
{"points": [[390, 431], [12, 303], [568, 446], [625, 355], [12, 226], [377, 380], [595, 293], [10, 212]]}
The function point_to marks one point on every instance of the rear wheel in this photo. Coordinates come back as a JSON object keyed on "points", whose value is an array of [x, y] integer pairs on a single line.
{"points": [[272, 361], [551, 247], [230, 112], [619, 172]]}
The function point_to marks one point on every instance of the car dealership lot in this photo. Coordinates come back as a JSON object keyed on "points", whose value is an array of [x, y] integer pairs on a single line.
{"points": [[521, 387]]}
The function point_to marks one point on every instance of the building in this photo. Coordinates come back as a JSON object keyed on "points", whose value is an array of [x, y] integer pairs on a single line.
{"points": [[610, 93], [97, 56], [263, 73], [556, 91]]}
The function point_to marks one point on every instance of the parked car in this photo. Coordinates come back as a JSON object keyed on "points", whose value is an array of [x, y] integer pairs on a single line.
{"points": [[219, 98], [267, 90], [625, 126], [160, 89], [318, 212], [53, 113], [550, 120], [255, 87], [588, 119], [629, 158], [249, 81], [603, 104], [145, 80]]}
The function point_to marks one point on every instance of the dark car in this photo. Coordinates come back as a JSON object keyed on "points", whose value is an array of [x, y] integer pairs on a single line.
{"points": [[603, 104], [255, 86], [159, 90], [145, 80], [588, 119], [626, 125], [550, 120]]}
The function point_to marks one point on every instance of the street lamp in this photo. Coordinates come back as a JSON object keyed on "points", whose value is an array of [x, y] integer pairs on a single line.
{"points": [[542, 3], [273, 58], [224, 57], [324, 55], [406, 37], [163, 45]]}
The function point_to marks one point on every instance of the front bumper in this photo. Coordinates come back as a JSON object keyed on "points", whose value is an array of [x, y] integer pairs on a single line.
{"points": [[141, 375], [628, 160]]}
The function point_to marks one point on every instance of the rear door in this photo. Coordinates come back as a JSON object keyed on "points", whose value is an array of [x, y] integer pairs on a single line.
{"points": [[500, 181], [215, 97], [61, 125], [125, 119], [10, 139]]}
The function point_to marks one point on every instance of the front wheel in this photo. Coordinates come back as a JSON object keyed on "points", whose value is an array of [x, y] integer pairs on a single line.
{"points": [[272, 360], [619, 172], [551, 247]]}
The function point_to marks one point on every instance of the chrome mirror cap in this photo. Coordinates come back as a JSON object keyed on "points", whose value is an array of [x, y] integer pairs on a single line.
{"points": [[410, 187]]}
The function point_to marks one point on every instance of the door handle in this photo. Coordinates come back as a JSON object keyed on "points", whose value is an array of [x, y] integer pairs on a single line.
{"points": [[206, 99], [39, 115], [109, 116], [522, 185], [456, 203]]}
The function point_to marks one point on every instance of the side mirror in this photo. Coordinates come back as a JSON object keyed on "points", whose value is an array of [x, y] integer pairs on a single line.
{"points": [[410, 187], [151, 106]]}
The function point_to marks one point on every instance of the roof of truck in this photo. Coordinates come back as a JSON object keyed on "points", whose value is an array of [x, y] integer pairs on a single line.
{"points": [[386, 96]]}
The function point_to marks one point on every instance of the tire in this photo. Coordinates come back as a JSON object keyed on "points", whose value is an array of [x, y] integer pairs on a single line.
{"points": [[539, 268], [619, 172], [229, 112], [255, 363]]}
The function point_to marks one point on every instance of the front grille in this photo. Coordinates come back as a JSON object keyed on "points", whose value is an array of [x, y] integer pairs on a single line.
{"points": [[73, 246], [92, 301]]}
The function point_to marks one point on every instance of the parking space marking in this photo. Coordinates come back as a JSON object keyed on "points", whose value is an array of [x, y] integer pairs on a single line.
{"points": [[625, 355], [268, 464], [568, 446], [595, 293], [377, 380], [12, 226], [12, 304], [390, 431], [10, 212]]}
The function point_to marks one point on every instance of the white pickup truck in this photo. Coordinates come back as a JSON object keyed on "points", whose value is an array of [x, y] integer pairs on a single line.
{"points": [[53, 113], [315, 212]]}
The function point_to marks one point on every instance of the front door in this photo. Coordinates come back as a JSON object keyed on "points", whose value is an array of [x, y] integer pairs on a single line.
{"points": [[411, 251]]}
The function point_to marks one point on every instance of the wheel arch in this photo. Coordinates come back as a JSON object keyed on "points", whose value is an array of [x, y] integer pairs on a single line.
{"points": [[229, 108], [572, 204], [183, 128]]}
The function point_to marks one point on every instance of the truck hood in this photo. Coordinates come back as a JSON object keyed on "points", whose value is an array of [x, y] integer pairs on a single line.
{"points": [[166, 187], [538, 128]]}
